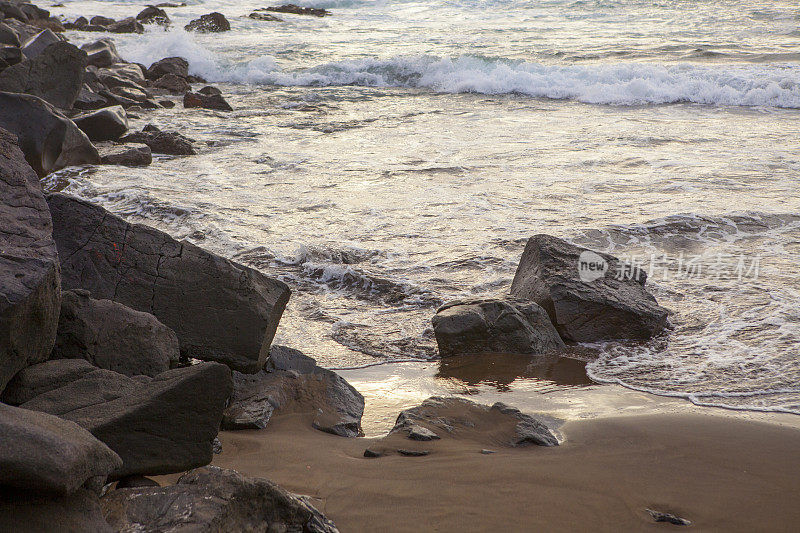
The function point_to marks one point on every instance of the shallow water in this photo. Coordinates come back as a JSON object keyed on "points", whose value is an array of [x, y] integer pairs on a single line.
{"points": [[397, 155]]}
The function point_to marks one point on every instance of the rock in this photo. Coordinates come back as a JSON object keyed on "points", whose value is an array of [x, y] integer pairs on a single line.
{"points": [[157, 425], [255, 15], [129, 155], [586, 311], [213, 101], [297, 10], [45, 453], [122, 75], [102, 53], [99, 20], [131, 482], [422, 434], [177, 66], [162, 142], [54, 75], [413, 453], [49, 140], [107, 124], [11, 10], [40, 378], [89, 100], [127, 25], [220, 310], [371, 454], [467, 419], [210, 23], [37, 44], [505, 325], [31, 512], [8, 36], [210, 90], [114, 337], [33, 12], [213, 499], [294, 383], [172, 83], [485, 451], [153, 15], [658, 516], [131, 93], [30, 283], [24, 30], [9, 55]]}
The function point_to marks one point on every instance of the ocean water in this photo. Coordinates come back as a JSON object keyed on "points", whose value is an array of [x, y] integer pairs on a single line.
{"points": [[397, 155]]}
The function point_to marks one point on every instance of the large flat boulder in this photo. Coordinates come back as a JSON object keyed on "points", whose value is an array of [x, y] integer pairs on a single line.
{"points": [[49, 140], [220, 310], [30, 282], [292, 382], [589, 296], [32, 512], [113, 336], [502, 325], [156, 425], [213, 499], [45, 453], [54, 75]]}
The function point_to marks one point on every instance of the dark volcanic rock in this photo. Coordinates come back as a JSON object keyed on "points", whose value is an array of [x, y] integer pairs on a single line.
{"points": [[128, 25], [177, 66], [114, 337], [99, 20], [49, 140], [297, 10], [586, 311], [9, 55], [55, 75], [89, 100], [213, 101], [35, 45], [129, 155], [107, 124], [11, 10], [669, 518], [156, 425], [45, 453], [102, 53], [8, 36], [210, 23], [162, 142], [213, 499], [32, 512], [494, 325], [294, 383], [255, 15], [153, 15], [220, 310], [172, 83], [30, 286], [40, 378], [131, 482]]}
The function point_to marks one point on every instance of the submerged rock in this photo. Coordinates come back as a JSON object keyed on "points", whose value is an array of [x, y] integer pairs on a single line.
{"points": [[213, 499], [297, 10], [210, 23], [505, 325], [220, 310], [30, 282], [608, 303]]}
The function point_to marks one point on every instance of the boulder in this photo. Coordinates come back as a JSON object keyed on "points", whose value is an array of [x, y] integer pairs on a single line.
{"points": [[49, 140], [157, 425], [9, 36], [9, 55], [294, 383], [127, 25], [54, 75], [297, 10], [102, 53], [255, 15], [45, 453], [44, 377], [213, 101], [32, 512], [36, 45], [30, 283], [210, 23], [220, 310], [128, 155], [89, 100], [107, 124], [114, 337], [99, 20], [153, 15], [33, 12], [169, 65], [213, 499], [172, 83], [162, 142], [601, 302], [12, 11], [506, 325]]}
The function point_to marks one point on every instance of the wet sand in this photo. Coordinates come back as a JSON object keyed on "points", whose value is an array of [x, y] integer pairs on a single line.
{"points": [[722, 471]]}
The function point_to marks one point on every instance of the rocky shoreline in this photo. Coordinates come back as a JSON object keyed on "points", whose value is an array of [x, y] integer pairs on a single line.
{"points": [[123, 352]]}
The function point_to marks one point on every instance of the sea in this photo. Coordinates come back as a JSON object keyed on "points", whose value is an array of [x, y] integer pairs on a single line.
{"points": [[397, 155]]}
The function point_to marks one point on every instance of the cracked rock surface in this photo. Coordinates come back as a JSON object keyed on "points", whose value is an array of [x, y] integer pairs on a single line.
{"points": [[220, 310]]}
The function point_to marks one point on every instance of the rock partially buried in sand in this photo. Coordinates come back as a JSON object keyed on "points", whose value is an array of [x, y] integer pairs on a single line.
{"points": [[670, 518], [292, 382], [30, 282], [586, 307], [114, 337], [210, 23], [220, 310], [213, 499], [505, 325], [156, 425]]}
